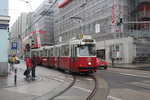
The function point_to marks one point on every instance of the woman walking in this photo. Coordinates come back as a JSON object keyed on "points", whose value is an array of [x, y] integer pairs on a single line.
{"points": [[29, 67]]}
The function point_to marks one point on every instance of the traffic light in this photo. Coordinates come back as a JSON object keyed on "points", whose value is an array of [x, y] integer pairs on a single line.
{"points": [[121, 21], [27, 46], [32, 42]]}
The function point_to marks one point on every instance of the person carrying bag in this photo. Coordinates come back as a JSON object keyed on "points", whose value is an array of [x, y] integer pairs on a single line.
{"points": [[29, 67]]}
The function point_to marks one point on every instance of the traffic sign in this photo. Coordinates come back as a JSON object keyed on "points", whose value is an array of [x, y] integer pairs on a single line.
{"points": [[14, 46]]}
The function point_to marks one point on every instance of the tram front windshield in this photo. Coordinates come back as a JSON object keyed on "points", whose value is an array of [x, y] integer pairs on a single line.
{"points": [[87, 50]]}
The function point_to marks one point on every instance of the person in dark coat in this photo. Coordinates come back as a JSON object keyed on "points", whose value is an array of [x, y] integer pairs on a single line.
{"points": [[34, 65], [112, 59]]}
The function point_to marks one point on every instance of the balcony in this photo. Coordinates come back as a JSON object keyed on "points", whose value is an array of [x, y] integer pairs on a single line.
{"points": [[4, 20]]}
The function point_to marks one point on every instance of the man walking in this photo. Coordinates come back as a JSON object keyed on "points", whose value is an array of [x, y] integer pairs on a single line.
{"points": [[34, 65], [12, 61]]}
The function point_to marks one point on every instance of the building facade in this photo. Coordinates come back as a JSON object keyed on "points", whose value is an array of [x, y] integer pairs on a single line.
{"points": [[4, 20], [34, 29], [17, 30], [109, 22], [140, 29], [44, 18]]}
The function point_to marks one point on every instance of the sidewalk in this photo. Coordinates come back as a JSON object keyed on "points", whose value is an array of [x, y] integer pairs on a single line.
{"points": [[29, 90], [133, 66], [9, 80]]}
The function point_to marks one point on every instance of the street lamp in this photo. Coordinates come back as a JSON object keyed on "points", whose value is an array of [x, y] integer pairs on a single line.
{"points": [[28, 2]]}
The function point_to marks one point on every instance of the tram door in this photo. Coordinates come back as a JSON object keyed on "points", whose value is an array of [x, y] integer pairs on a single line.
{"points": [[72, 58]]}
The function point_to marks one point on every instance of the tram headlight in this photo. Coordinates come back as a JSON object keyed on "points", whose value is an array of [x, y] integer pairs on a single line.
{"points": [[89, 63]]}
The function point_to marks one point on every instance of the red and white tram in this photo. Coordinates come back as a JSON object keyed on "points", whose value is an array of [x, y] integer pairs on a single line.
{"points": [[76, 55]]}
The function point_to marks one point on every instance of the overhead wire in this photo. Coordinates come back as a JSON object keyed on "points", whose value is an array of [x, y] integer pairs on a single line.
{"points": [[43, 14]]}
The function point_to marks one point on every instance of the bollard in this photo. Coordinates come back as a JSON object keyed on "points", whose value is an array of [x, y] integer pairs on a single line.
{"points": [[15, 77]]}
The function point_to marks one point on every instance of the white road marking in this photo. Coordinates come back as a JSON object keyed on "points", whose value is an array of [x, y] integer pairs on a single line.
{"points": [[135, 75], [82, 89], [111, 97], [114, 98], [56, 79], [89, 79]]}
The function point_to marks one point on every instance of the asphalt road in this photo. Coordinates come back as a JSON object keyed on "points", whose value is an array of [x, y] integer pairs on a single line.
{"points": [[127, 84]]}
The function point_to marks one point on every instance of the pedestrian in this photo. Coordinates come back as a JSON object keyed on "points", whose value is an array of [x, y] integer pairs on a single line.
{"points": [[12, 61], [33, 65], [29, 67], [112, 59]]}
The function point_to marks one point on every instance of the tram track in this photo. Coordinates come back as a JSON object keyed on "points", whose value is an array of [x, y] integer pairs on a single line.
{"points": [[63, 91], [94, 89], [91, 92], [64, 86]]}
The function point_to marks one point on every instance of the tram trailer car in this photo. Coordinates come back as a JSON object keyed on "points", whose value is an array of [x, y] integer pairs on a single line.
{"points": [[38, 55], [78, 55]]}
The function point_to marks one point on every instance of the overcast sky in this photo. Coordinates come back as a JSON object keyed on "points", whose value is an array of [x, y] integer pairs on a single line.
{"points": [[18, 6]]}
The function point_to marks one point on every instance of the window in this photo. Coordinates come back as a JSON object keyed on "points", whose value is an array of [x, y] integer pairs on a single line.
{"points": [[44, 53], [87, 50], [51, 52], [65, 50], [116, 51]]}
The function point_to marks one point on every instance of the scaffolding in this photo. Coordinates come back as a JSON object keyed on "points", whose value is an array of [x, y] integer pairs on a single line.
{"points": [[140, 32], [106, 20]]}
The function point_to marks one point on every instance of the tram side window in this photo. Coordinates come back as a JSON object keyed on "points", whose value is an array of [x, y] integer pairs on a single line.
{"points": [[51, 52], [44, 53], [32, 53], [59, 52], [37, 53], [72, 52], [56, 52], [65, 50], [40, 53], [62, 51], [75, 52], [48, 54]]}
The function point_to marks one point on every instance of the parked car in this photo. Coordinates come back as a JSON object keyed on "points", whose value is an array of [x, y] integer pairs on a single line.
{"points": [[16, 62], [101, 63]]}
